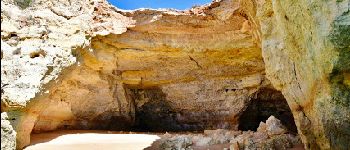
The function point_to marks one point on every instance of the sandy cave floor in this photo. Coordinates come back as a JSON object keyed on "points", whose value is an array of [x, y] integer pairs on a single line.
{"points": [[90, 140], [104, 140]]}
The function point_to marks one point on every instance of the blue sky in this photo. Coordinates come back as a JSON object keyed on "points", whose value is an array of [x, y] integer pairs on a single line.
{"points": [[177, 4]]}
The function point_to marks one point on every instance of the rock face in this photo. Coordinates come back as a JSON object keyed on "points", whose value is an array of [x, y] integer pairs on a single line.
{"points": [[37, 46], [81, 68], [87, 65], [305, 46], [172, 70], [37, 43]]}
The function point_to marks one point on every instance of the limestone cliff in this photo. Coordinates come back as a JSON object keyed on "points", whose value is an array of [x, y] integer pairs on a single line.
{"points": [[88, 65], [306, 49], [37, 46]]}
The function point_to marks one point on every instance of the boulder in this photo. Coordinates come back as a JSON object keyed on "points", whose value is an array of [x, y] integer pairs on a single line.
{"points": [[274, 126]]}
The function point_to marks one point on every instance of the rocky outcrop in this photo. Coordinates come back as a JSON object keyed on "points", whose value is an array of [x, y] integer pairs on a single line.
{"points": [[37, 42], [305, 46], [221, 139], [87, 65]]}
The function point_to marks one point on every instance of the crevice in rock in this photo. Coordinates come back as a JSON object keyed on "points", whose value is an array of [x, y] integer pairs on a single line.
{"points": [[192, 59], [267, 102]]}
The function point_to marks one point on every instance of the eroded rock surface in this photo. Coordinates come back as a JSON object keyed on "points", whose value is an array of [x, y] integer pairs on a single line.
{"points": [[189, 70], [38, 44], [87, 65], [305, 46]]}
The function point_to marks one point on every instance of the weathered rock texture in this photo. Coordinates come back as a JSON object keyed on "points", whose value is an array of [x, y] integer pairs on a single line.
{"points": [[37, 45], [306, 49], [86, 65], [75, 66]]}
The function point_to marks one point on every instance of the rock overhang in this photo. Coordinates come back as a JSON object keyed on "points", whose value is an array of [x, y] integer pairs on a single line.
{"points": [[209, 49]]}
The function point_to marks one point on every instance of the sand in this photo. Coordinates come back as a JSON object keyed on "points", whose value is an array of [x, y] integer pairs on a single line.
{"points": [[90, 140], [105, 140]]}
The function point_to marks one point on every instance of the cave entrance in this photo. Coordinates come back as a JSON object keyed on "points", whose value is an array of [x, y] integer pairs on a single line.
{"points": [[153, 113], [267, 102]]}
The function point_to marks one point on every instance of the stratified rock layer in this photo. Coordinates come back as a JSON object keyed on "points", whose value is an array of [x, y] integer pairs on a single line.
{"points": [[170, 70], [87, 65]]}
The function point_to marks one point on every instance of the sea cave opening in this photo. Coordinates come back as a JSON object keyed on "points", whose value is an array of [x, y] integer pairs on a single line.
{"points": [[267, 102]]}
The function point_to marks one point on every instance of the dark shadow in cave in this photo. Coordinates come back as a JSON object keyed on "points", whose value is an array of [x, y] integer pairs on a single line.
{"points": [[153, 112], [268, 102]]}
